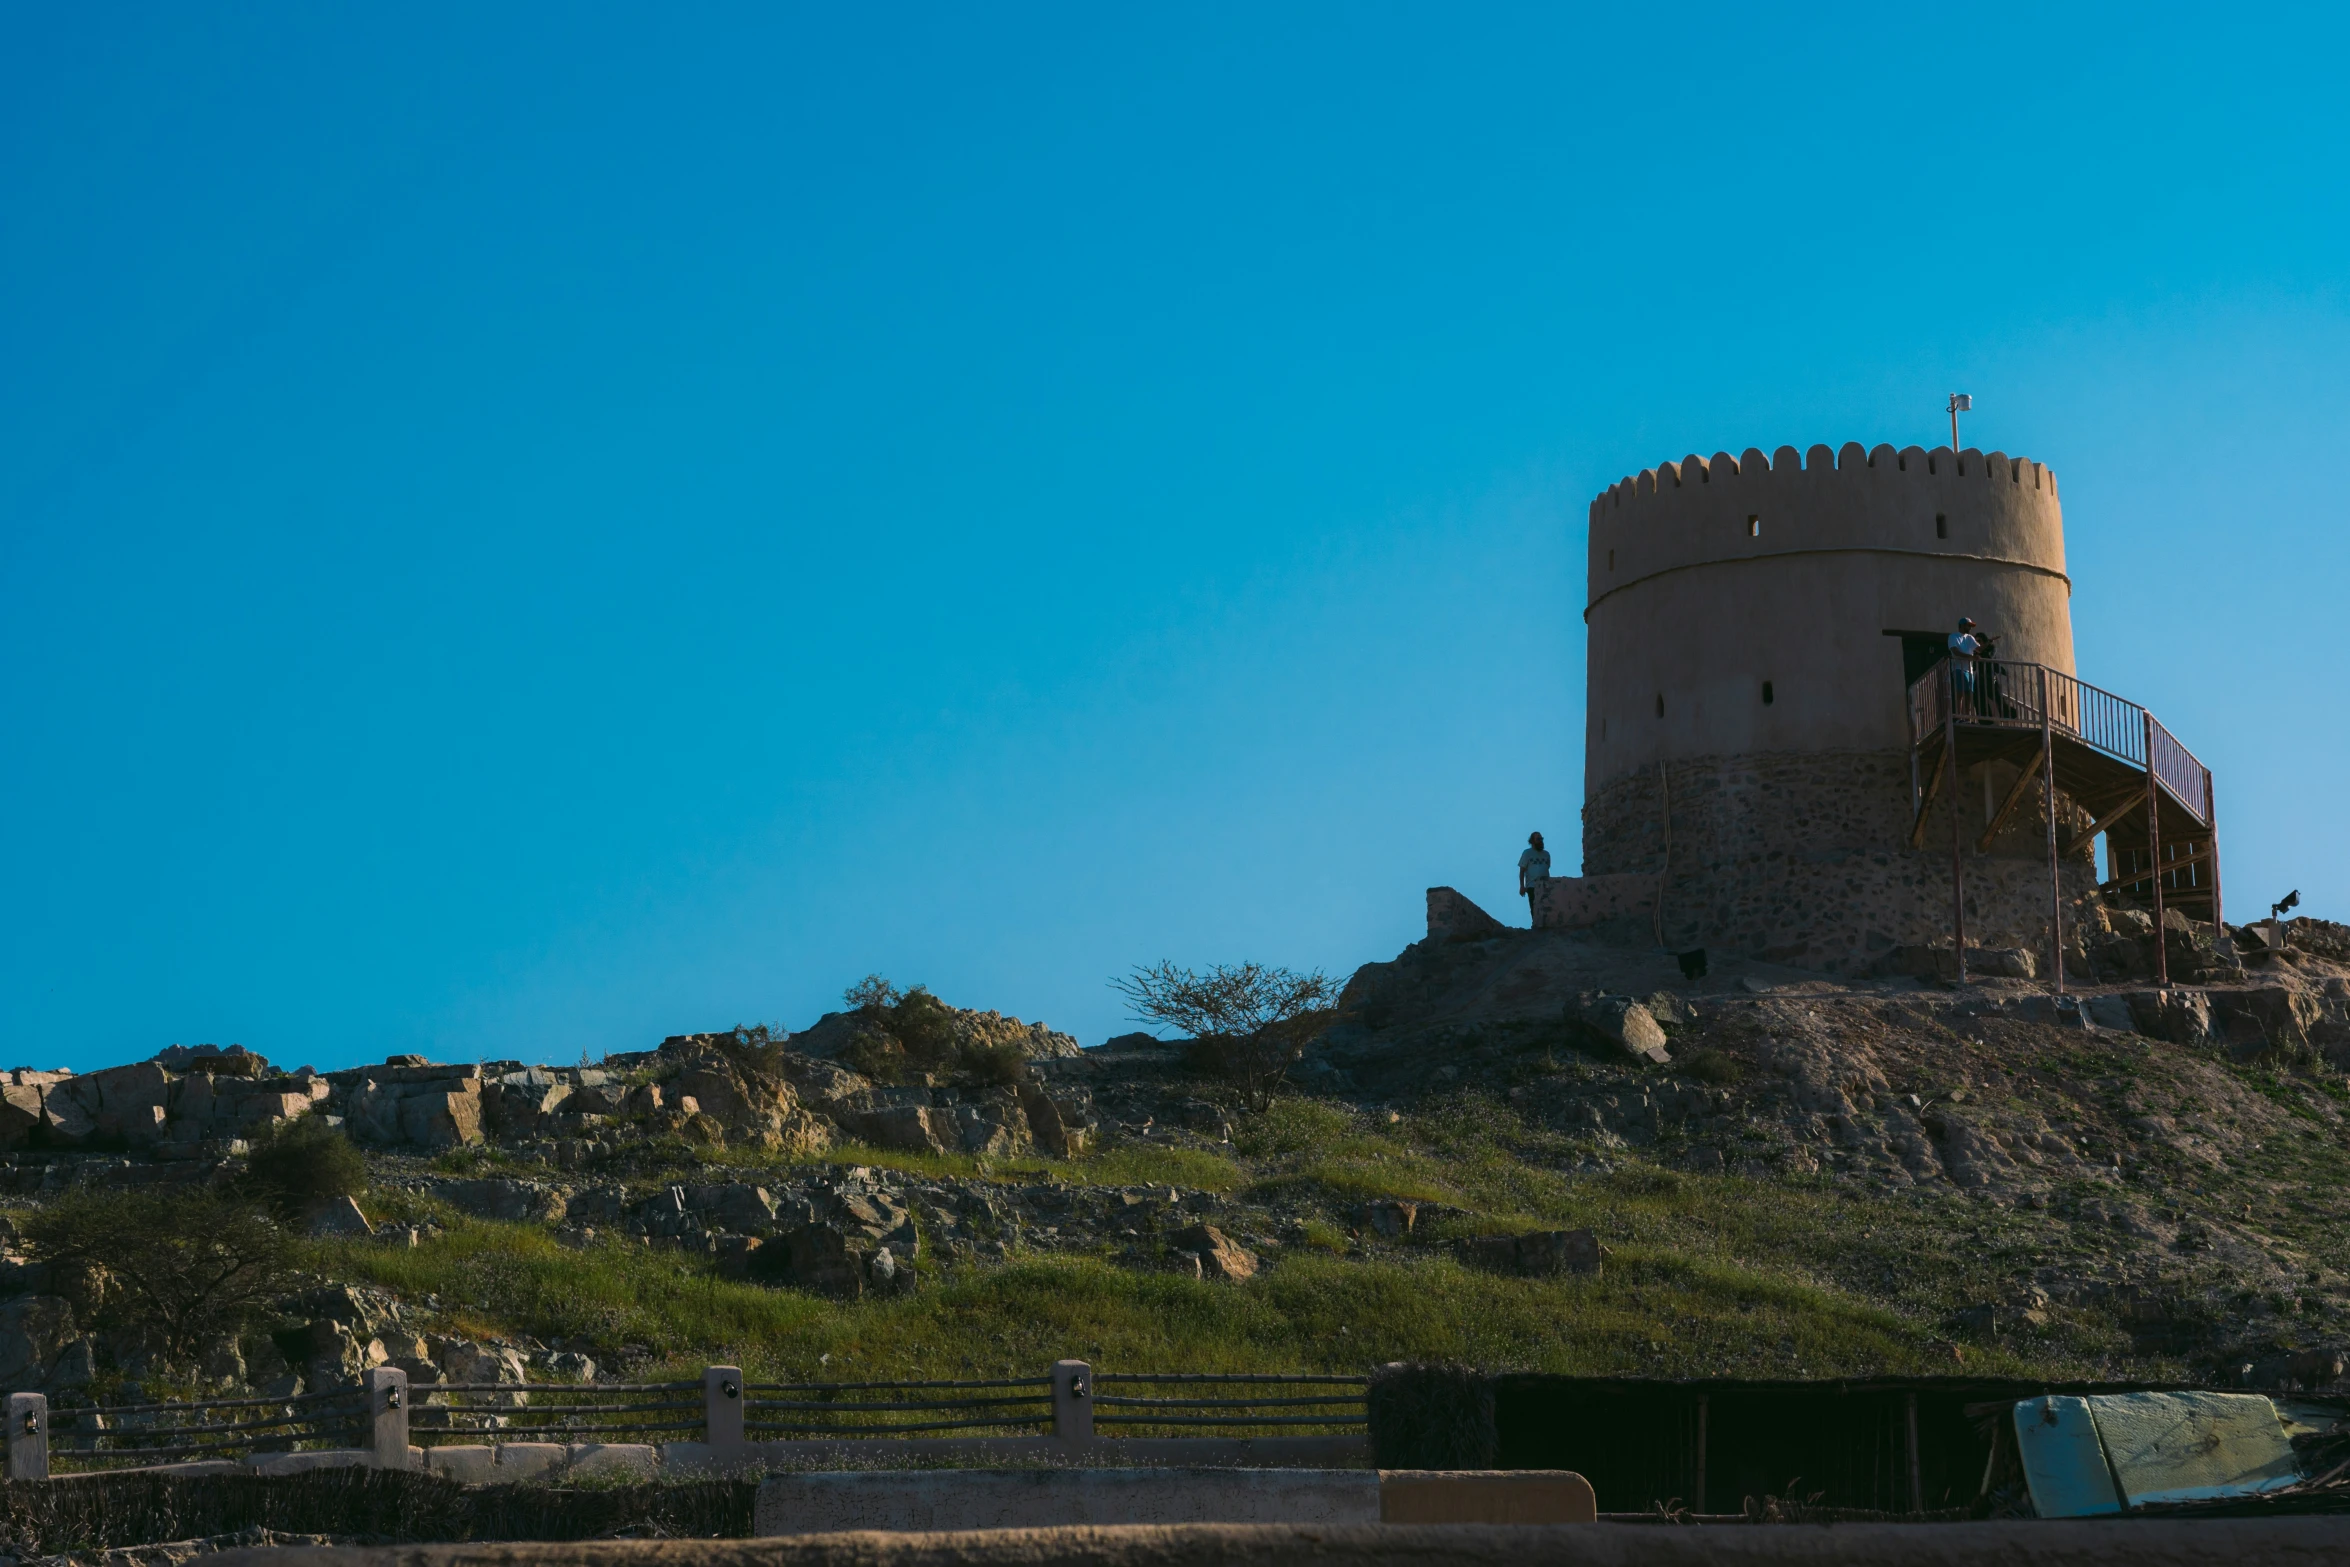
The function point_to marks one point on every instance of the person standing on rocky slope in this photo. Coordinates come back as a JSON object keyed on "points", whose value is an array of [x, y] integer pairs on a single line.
{"points": [[1533, 870]]}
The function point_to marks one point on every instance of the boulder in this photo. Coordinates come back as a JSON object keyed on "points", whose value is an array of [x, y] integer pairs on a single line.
{"points": [[34, 1333], [330, 1353], [733, 1205], [2265, 1017], [2182, 1017], [371, 1112], [1620, 1023], [988, 1131], [341, 1216], [260, 1111], [815, 1257], [345, 1304], [913, 1128], [828, 1087], [508, 1200], [132, 1094], [20, 1112], [235, 1061], [436, 1119], [463, 1361], [516, 1107], [1055, 1130], [873, 1218], [1220, 1257], [65, 1122], [1388, 1219]]}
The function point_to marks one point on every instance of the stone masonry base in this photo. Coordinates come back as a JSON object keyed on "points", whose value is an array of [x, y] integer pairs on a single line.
{"points": [[1804, 859]]}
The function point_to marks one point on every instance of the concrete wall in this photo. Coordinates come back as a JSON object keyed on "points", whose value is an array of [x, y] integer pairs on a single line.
{"points": [[1577, 902], [944, 1499], [2271, 1542], [1687, 605]]}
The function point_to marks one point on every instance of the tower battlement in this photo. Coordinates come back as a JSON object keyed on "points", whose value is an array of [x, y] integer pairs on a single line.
{"points": [[1699, 511]]}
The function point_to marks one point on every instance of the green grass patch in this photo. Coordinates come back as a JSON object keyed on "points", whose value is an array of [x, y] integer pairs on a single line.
{"points": [[1122, 1164], [1651, 1312]]}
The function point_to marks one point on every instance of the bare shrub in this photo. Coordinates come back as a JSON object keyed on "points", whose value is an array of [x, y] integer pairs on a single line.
{"points": [[1249, 1024]]}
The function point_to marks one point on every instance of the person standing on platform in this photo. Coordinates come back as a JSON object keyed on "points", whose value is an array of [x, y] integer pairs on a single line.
{"points": [[1533, 871]]}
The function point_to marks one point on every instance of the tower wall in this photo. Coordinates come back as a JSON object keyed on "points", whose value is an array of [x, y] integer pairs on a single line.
{"points": [[1790, 802]]}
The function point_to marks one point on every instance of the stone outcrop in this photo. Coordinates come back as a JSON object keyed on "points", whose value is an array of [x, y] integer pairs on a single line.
{"points": [[147, 1106], [1623, 1024], [1213, 1254], [411, 1104]]}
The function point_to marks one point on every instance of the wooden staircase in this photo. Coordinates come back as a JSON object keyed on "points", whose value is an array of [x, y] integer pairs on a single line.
{"points": [[2120, 768]]}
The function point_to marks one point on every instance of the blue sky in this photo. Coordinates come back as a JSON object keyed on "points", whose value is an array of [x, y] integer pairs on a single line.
{"points": [[528, 529]]}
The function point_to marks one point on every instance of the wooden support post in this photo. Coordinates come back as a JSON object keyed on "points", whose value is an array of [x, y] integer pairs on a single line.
{"points": [[1957, 831], [2055, 865], [2211, 815], [1072, 1400], [2183, 862], [1917, 826], [2015, 797], [2089, 833], [722, 1406], [28, 1436], [2154, 849]]}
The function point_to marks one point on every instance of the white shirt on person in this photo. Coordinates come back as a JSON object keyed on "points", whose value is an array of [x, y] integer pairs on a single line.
{"points": [[1533, 866]]}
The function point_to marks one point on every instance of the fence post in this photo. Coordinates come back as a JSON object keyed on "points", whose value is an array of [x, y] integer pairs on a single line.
{"points": [[387, 1417], [722, 1406], [1072, 1400], [28, 1436]]}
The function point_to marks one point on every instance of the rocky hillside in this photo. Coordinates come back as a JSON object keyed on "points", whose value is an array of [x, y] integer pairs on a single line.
{"points": [[1511, 1147]]}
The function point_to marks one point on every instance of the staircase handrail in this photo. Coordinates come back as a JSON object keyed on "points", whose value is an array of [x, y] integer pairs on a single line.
{"points": [[2006, 693]]}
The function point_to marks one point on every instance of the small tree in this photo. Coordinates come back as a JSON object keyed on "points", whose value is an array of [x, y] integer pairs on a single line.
{"points": [[175, 1269], [301, 1163], [1249, 1024]]}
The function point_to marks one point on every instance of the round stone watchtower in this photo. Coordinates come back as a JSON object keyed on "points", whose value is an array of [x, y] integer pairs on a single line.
{"points": [[1755, 624]]}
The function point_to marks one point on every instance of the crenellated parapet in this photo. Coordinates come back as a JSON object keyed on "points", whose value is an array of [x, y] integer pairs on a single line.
{"points": [[1967, 506]]}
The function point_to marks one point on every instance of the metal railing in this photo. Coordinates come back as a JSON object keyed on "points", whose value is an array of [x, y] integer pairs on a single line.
{"points": [[383, 1421], [2006, 693], [801, 1411], [139, 1435], [1197, 1404], [443, 1413]]}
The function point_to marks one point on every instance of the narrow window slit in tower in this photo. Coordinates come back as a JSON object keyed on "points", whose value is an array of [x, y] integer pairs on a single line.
{"points": [[1768, 698], [1753, 526], [1660, 704], [1611, 560], [1941, 526]]}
